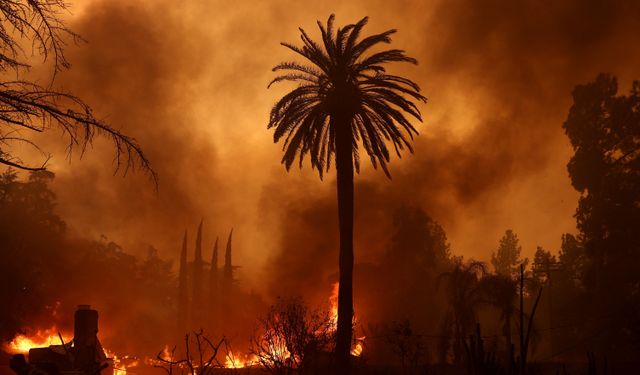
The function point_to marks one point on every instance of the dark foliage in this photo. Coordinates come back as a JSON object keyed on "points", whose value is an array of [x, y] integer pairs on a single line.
{"points": [[604, 130], [45, 271]]}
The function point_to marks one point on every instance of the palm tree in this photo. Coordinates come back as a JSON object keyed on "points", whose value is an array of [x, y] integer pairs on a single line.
{"points": [[501, 291], [462, 284], [344, 99]]}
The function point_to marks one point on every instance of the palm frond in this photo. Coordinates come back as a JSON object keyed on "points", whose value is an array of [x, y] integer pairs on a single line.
{"points": [[378, 103]]}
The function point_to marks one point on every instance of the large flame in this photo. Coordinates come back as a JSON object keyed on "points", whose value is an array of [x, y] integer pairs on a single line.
{"points": [[22, 343], [333, 302]]}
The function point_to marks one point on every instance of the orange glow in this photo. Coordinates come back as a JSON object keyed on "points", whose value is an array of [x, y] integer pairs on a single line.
{"points": [[358, 345], [236, 361], [121, 364], [41, 338], [333, 302]]}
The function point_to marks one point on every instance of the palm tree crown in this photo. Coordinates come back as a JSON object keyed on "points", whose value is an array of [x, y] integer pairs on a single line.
{"points": [[342, 82]]}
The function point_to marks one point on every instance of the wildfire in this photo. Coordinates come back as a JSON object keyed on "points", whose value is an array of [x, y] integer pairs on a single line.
{"points": [[333, 302], [22, 343], [166, 354], [121, 363], [46, 337], [234, 361], [358, 346]]}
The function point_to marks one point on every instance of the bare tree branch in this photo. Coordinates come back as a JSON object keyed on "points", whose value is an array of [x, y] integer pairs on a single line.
{"points": [[26, 106]]}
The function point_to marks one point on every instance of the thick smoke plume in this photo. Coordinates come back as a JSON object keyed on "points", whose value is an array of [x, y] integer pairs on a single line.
{"points": [[189, 82]]}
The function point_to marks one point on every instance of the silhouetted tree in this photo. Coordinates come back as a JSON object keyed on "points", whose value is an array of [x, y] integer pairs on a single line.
{"points": [[604, 130], [27, 208], [291, 338], [197, 306], [501, 291], [573, 260], [45, 269], [183, 295], [543, 262], [464, 297], [214, 281], [344, 99], [417, 241], [506, 259], [228, 265], [227, 280], [26, 106]]}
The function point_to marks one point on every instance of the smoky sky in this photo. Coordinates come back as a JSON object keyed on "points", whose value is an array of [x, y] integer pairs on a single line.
{"points": [[188, 81]]}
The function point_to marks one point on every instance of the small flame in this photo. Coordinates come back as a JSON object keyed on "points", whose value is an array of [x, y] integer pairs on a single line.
{"points": [[166, 354], [121, 363], [235, 361], [357, 349], [21, 344]]}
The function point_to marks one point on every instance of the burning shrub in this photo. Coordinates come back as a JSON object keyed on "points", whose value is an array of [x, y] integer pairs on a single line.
{"points": [[200, 356], [292, 338]]}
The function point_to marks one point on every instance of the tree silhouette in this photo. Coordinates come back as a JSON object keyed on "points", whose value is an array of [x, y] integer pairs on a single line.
{"points": [[344, 99], [506, 260], [183, 294], [501, 291], [214, 295], [27, 107], [197, 304], [462, 286], [604, 129]]}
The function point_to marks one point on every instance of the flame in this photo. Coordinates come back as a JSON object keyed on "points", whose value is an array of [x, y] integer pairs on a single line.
{"points": [[22, 343], [358, 346], [235, 361], [121, 363], [333, 303], [166, 354]]}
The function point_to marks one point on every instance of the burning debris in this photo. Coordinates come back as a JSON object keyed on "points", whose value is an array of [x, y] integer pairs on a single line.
{"points": [[83, 354]]}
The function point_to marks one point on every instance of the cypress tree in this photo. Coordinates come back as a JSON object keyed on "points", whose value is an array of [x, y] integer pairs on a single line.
{"points": [[228, 267], [197, 306], [213, 287], [183, 298]]}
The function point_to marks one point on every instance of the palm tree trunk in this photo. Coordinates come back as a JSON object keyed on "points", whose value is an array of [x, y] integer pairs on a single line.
{"points": [[344, 166]]}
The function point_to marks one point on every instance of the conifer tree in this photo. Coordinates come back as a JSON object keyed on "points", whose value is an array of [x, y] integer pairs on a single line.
{"points": [[213, 287], [228, 267], [183, 298], [506, 260], [197, 307]]}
